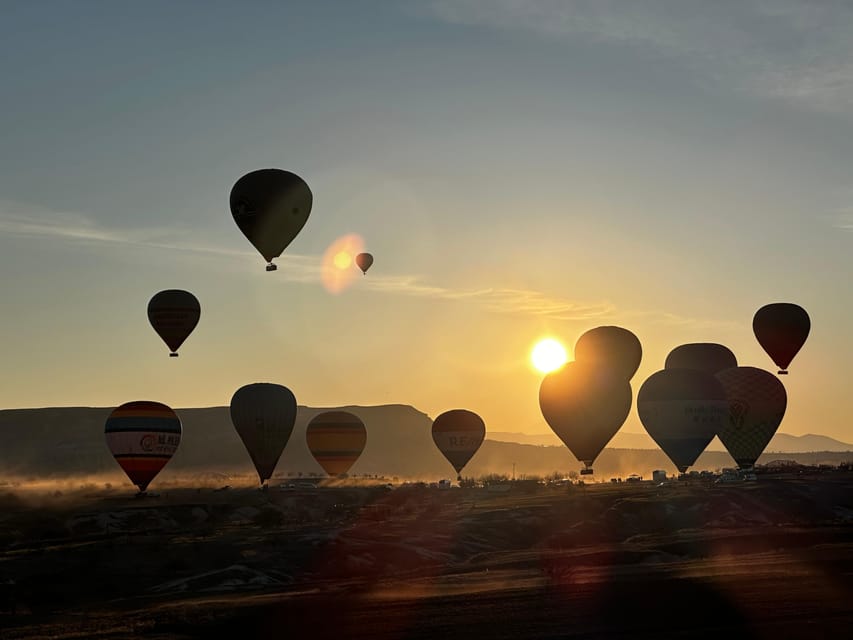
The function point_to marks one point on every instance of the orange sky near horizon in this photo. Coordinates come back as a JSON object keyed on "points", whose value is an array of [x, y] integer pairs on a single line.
{"points": [[517, 173]]}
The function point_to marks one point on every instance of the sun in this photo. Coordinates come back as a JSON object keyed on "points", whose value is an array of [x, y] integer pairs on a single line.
{"points": [[547, 355]]}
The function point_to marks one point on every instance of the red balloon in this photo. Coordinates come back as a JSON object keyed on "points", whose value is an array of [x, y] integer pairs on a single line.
{"points": [[781, 329], [364, 260]]}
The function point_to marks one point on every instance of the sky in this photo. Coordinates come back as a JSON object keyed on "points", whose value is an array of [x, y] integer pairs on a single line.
{"points": [[519, 169]]}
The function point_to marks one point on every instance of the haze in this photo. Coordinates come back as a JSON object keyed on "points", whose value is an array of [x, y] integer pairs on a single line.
{"points": [[518, 169]]}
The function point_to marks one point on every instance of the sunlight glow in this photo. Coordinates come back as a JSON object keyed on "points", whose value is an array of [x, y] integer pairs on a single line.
{"points": [[343, 260], [336, 270], [547, 355]]}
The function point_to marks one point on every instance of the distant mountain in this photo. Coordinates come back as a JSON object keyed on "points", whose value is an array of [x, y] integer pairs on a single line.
{"points": [[70, 440], [62, 442], [781, 442]]}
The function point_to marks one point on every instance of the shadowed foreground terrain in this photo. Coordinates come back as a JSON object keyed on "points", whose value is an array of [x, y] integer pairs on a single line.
{"points": [[771, 559]]}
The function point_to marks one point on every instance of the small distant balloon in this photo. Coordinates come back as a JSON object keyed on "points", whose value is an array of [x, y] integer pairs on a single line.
{"points": [[174, 314], [336, 439], [781, 329], [458, 434], [270, 207], [704, 356], [364, 260], [263, 415], [585, 405], [615, 348], [143, 436], [756, 405], [682, 410]]}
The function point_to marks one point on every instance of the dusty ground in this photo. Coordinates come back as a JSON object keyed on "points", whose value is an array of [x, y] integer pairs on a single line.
{"points": [[770, 559]]}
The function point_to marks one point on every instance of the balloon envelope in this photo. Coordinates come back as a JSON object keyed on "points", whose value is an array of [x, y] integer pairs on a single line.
{"points": [[336, 440], [585, 405], [682, 410], [143, 436], [174, 314], [458, 434], [263, 415], [613, 347], [756, 405], [704, 356], [781, 329], [364, 260], [270, 206]]}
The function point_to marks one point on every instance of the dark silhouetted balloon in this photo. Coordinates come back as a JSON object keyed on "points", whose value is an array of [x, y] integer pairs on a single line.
{"points": [[270, 206], [756, 405], [143, 436], [364, 260], [174, 314], [615, 348], [336, 440], [263, 415], [781, 329], [704, 356], [682, 410], [585, 405], [458, 434]]}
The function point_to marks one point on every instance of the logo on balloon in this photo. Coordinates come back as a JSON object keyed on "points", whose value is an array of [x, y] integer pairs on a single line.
{"points": [[148, 441], [737, 413]]}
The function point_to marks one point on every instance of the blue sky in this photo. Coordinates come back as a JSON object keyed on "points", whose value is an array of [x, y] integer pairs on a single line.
{"points": [[518, 169]]}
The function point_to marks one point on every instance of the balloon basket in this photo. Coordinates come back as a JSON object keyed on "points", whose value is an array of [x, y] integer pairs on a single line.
{"points": [[782, 372], [586, 472], [271, 267], [173, 355]]}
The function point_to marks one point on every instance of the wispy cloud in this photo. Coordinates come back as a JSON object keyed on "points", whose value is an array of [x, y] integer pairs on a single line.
{"points": [[798, 50], [21, 220], [844, 220], [308, 269]]}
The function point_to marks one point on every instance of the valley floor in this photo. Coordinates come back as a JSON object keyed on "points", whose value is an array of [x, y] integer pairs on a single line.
{"points": [[771, 559]]}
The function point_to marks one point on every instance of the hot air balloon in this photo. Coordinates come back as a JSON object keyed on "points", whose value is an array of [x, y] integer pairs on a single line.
{"points": [[705, 356], [585, 404], [364, 260], [682, 410], [263, 415], [336, 440], [613, 347], [756, 405], [781, 329], [143, 436], [270, 206], [174, 314], [458, 434]]}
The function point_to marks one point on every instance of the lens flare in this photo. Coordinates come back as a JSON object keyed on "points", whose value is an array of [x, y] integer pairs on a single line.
{"points": [[343, 260], [337, 271]]}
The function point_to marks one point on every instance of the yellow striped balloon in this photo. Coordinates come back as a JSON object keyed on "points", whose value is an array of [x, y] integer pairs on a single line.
{"points": [[336, 440]]}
